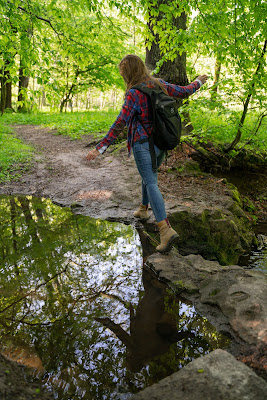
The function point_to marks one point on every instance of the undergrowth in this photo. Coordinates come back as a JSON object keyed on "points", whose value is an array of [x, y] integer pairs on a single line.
{"points": [[221, 128], [15, 156], [73, 124]]}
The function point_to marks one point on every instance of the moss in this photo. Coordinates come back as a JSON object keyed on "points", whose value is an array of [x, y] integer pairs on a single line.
{"points": [[204, 216], [234, 193], [192, 166], [214, 292], [189, 287], [248, 205], [221, 235]]}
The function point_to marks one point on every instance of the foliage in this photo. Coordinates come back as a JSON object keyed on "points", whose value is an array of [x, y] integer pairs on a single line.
{"points": [[233, 34], [220, 124], [51, 43], [160, 14], [73, 124], [236, 36], [15, 156], [63, 59]]}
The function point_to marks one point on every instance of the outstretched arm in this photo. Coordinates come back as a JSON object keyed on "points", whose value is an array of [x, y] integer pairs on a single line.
{"points": [[185, 91], [124, 117]]}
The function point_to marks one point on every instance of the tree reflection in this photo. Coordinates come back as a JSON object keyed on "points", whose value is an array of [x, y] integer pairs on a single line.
{"points": [[73, 288]]}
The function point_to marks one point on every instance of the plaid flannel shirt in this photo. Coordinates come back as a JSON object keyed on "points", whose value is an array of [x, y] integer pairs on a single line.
{"points": [[136, 104]]}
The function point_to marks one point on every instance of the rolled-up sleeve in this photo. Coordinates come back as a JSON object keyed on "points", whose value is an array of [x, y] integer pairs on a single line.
{"points": [[182, 91], [123, 119]]}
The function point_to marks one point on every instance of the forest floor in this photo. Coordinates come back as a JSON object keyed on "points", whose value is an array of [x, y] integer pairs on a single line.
{"points": [[107, 188]]}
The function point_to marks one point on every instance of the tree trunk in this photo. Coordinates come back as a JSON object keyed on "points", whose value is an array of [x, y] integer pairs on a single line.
{"points": [[63, 104], [9, 94], [43, 99], [13, 217], [3, 94], [170, 71], [217, 72], [23, 85], [6, 88]]}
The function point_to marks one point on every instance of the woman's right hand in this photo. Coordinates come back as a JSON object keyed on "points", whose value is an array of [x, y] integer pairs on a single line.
{"points": [[92, 154]]}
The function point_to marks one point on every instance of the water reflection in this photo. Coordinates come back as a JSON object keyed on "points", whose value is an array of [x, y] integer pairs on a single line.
{"points": [[76, 300], [257, 258]]}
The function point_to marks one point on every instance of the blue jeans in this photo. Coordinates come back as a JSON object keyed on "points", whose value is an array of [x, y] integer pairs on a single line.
{"points": [[150, 191]]}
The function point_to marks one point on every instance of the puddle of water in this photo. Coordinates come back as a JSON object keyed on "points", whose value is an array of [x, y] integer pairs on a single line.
{"points": [[77, 305], [257, 259]]}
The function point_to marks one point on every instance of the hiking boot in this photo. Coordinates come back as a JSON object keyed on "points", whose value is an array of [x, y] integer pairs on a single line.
{"points": [[167, 236], [142, 213]]}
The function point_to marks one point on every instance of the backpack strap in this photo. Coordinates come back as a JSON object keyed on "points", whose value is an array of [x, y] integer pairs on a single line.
{"points": [[151, 147], [150, 136]]}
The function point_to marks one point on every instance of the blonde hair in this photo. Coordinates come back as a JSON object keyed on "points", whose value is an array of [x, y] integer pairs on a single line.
{"points": [[134, 71]]}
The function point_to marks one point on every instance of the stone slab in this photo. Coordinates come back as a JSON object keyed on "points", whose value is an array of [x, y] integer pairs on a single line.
{"points": [[216, 376], [240, 295]]}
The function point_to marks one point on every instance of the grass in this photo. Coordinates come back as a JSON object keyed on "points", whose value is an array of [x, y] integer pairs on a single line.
{"points": [[210, 125], [69, 124], [15, 156]]}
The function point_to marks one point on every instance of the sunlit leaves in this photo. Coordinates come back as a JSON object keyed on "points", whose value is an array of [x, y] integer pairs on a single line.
{"points": [[50, 35]]}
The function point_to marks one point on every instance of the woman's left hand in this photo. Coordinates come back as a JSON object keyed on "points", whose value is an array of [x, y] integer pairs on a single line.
{"points": [[92, 154]]}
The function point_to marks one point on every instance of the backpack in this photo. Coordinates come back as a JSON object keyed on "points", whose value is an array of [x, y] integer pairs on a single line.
{"points": [[166, 128]]}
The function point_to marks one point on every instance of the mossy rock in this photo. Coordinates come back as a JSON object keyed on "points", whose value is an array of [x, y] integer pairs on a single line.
{"points": [[185, 286], [222, 235]]}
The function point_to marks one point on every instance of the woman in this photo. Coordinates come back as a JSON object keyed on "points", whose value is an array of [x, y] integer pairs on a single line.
{"points": [[135, 114]]}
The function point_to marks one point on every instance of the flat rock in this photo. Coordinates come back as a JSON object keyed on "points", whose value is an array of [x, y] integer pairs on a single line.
{"points": [[216, 376], [240, 295]]}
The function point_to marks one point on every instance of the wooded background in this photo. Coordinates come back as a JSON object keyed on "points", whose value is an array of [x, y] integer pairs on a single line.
{"points": [[63, 55]]}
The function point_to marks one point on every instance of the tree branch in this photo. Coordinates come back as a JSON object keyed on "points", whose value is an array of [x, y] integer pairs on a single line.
{"points": [[47, 21], [117, 329], [263, 115]]}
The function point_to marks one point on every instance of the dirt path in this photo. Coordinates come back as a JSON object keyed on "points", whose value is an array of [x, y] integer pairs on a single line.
{"points": [[61, 173], [108, 187]]}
